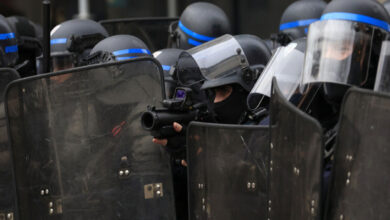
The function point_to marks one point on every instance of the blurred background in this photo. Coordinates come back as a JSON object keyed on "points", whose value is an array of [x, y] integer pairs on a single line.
{"points": [[259, 17]]}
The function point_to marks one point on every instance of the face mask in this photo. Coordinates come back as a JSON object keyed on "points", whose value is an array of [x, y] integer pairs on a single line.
{"points": [[334, 93], [230, 110]]}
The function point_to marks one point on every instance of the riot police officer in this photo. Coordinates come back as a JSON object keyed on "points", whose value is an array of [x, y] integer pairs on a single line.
{"points": [[8, 44], [228, 77], [343, 50], [29, 36], [200, 22], [237, 63], [71, 42]]}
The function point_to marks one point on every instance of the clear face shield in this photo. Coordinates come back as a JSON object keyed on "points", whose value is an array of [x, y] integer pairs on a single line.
{"points": [[211, 60], [382, 82], [62, 62], [339, 52], [286, 66], [58, 62]]}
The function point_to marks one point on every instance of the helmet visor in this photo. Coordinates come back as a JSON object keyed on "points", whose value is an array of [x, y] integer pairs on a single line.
{"points": [[286, 66], [62, 62], [382, 83], [338, 52], [57, 63], [211, 60]]}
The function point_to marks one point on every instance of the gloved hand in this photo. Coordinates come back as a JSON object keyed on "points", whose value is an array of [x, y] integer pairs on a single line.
{"points": [[176, 145]]}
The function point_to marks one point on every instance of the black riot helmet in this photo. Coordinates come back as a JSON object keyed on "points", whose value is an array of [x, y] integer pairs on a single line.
{"points": [[226, 60], [8, 44], [297, 18], [117, 48], [168, 58], [200, 22], [343, 48], [29, 37], [71, 41]]}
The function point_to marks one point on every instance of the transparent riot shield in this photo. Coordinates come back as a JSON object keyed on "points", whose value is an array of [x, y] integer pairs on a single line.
{"points": [[79, 149], [7, 187], [153, 31], [296, 155], [227, 171], [360, 183]]}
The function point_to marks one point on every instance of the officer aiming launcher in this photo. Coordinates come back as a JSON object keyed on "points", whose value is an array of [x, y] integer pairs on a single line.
{"points": [[181, 109]]}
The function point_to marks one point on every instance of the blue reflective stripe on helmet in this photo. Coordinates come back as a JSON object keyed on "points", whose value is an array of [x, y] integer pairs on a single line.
{"points": [[130, 51], [124, 58], [356, 17], [58, 41], [193, 34], [294, 24], [7, 36], [11, 49], [166, 68], [194, 42]]}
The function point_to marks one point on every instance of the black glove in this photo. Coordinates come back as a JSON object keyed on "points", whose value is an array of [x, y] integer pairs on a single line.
{"points": [[176, 145]]}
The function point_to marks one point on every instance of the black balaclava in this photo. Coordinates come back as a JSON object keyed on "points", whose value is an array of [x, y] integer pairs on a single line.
{"points": [[230, 110], [334, 93]]}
